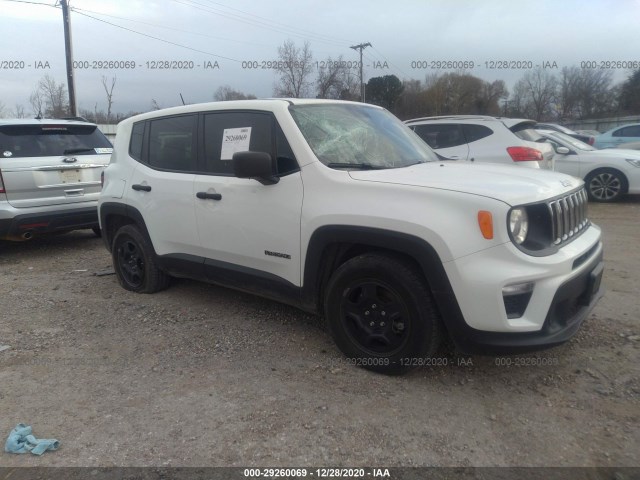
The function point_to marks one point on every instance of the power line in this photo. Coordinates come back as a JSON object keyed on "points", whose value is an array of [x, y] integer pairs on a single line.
{"points": [[157, 38], [257, 23], [269, 24], [85, 12], [274, 22], [394, 66], [78, 10], [31, 3]]}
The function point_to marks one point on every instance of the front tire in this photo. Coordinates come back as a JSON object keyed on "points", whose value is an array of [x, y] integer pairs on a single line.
{"points": [[606, 185], [381, 314], [135, 263]]}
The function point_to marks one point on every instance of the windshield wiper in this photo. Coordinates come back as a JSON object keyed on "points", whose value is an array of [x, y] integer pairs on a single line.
{"points": [[77, 150], [361, 166]]}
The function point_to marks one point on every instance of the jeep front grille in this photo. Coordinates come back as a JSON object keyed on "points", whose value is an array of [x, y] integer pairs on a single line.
{"points": [[568, 216]]}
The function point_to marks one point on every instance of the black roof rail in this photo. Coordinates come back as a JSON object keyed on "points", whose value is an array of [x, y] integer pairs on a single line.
{"points": [[455, 117], [78, 119]]}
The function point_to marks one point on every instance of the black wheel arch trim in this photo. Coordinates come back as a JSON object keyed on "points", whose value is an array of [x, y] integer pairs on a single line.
{"points": [[321, 262], [122, 210]]}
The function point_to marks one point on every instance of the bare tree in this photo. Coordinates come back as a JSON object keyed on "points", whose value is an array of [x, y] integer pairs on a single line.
{"points": [[2, 110], [629, 93], [518, 104], [225, 92], [597, 96], [37, 103], [350, 86], [295, 67], [569, 93], [538, 91], [54, 96], [434, 94], [490, 96], [19, 112], [459, 93], [109, 91], [334, 77]]}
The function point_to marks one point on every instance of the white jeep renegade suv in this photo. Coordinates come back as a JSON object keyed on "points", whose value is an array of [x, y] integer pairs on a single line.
{"points": [[340, 209]]}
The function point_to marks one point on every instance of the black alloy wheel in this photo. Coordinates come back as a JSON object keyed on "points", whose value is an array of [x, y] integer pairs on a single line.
{"points": [[134, 262]]}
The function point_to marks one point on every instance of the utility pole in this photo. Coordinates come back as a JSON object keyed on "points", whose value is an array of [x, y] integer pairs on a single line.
{"points": [[69, 54], [361, 47]]}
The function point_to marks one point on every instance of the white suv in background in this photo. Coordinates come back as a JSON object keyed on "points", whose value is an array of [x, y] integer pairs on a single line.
{"points": [[49, 176], [478, 138], [339, 209]]}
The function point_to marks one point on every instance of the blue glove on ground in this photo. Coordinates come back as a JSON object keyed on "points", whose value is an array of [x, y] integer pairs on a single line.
{"points": [[20, 440]]}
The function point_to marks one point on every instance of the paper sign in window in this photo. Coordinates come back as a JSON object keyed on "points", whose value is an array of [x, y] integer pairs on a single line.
{"points": [[235, 140]]}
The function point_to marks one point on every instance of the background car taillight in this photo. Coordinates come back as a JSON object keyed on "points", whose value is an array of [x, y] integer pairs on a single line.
{"points": [[591, 141], [1, 184], [524, 154]]}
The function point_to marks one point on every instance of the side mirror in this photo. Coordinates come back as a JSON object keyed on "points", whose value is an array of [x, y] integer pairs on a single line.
{"points": [[256, 165], [562, 150]]}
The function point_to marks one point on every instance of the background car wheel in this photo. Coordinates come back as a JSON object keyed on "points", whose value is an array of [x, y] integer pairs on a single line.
{"points": [[134, 262], [606, 185], [381, 314], [97, 232]]}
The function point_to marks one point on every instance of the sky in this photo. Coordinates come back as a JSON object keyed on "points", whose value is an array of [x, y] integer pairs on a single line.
{"points": [[221, 42]]}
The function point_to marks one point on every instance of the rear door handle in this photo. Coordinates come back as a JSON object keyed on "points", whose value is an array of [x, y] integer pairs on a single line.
{"points": [[143, 188], [208, 196]]}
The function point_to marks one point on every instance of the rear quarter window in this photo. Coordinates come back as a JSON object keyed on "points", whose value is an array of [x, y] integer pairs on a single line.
{"points": [[476, 132], [526, 132], [137, 137]]}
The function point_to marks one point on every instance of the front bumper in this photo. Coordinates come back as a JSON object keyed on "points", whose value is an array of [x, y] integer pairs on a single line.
{"points": [[567, 287], [54, 221], [573, 301]]}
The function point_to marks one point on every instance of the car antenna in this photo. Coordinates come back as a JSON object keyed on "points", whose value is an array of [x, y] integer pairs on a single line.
{"points": [[182, 100]]}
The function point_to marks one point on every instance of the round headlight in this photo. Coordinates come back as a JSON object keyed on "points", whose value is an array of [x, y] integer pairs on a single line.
{"points": [[519, 224]]}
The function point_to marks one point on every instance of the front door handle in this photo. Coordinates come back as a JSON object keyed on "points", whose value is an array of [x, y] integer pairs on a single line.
{"points": [[208, 196], [143, 188]]}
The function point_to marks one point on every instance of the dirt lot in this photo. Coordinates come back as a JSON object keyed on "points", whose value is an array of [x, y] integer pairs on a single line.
{"points": [[203, 376]]}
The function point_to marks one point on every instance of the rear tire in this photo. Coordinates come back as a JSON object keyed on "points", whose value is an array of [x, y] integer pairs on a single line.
{"points": [[381, 314], [606, 185], [134, 262], [97, 232]]}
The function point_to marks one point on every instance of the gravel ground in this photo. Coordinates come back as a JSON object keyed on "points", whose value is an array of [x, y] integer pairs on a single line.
{"points": [[199, 375]]}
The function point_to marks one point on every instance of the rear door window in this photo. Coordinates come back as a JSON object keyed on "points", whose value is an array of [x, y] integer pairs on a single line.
{"points": [[441, 135], [172, 143], [52, 140]]}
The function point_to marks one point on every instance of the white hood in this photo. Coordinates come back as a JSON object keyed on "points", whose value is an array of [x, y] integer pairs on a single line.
{"points": [[513, 185]]}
